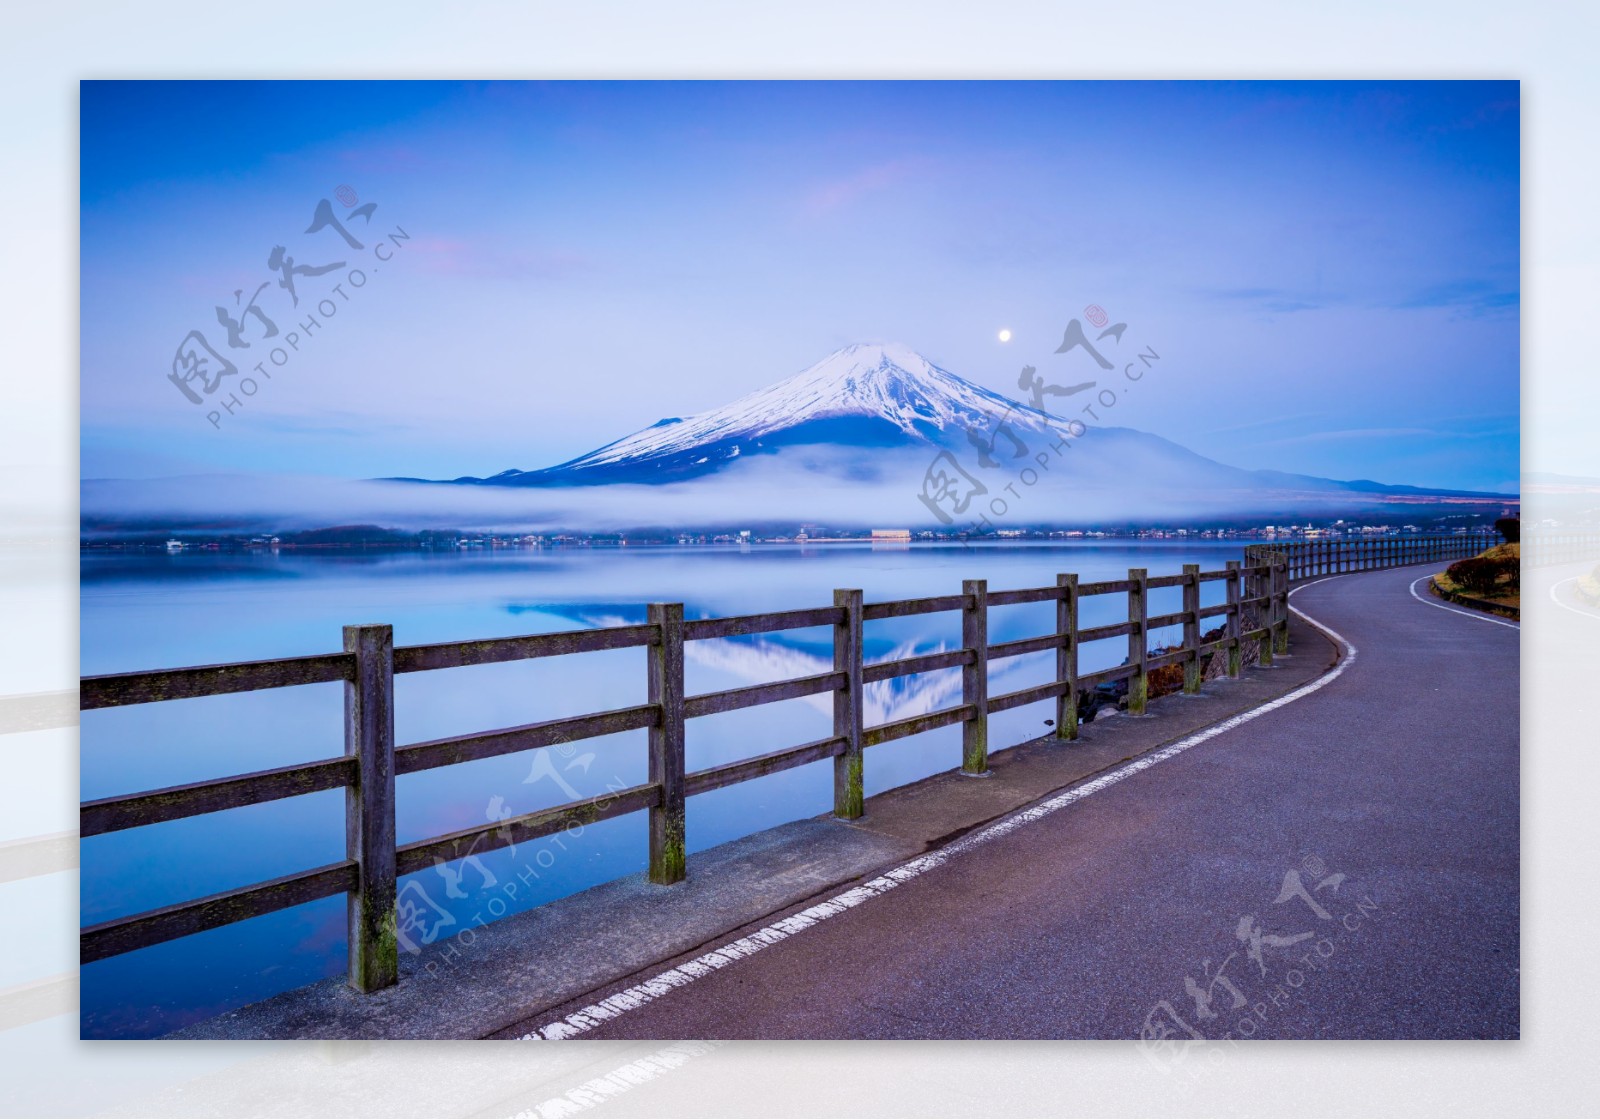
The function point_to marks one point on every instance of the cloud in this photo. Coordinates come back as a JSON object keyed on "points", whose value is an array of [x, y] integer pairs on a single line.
{"points": [[1472, 297], [458, 257], [1346, 434], [1276, 300], [387, 157], [838, 193], [1273, 422]]}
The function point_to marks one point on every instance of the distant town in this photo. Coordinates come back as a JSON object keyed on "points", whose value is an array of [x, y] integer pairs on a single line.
{"points": [[378, 537]]}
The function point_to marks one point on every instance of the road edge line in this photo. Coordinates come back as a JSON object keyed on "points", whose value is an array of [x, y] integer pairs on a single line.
{"points": [[1479, 615], [619, 1003]]}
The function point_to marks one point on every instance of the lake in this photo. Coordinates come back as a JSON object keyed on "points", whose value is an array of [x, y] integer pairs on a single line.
{"points": [[149, 611]]}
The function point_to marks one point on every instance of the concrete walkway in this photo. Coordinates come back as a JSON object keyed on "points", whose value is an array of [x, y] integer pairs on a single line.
{"points": [[1343, 865], [494, 976]]}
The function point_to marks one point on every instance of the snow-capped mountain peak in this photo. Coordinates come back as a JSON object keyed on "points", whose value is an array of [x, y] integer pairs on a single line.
{"points": [[872, 381]]}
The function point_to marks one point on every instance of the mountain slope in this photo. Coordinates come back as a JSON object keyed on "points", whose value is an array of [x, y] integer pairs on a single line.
{"points": [[863, 397], [869, 412]]}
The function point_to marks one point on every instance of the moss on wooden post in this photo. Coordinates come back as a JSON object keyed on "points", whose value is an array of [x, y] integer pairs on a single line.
{"points": [[1231, 621], [1191, 628], [1138, 651], [1067, 656], [975, 677], [373, 954], [668, 861], [1261, 592], [1280, 591], [848, 797]]}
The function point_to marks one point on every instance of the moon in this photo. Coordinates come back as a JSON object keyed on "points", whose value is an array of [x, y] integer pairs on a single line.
{"points": [[1005, 335]]}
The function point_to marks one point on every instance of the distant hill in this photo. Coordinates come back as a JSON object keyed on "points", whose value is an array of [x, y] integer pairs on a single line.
{"points": [[842, 415]]}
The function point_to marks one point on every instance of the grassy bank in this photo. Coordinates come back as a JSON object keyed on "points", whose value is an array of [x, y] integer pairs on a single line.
{"points": [[1490, 580]]}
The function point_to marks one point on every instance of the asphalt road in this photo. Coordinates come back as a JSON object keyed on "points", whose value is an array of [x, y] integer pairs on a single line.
{"points": [[1346, 863]]}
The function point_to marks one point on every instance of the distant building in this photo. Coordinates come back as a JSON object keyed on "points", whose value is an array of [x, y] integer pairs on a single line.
{"points": [[891, 534]]}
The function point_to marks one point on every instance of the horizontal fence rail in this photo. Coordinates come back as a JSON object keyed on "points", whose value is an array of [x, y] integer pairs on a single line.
{"points": [[1544, 547], [1312, 559], [1253, 617]]}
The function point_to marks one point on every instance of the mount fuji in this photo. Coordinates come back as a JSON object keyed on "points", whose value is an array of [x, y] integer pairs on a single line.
{"points": [[870, 435], [872, 412], [865, 398]]}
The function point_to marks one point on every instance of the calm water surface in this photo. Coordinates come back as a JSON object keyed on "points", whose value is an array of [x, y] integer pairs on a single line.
{"points": [[161, 611]]}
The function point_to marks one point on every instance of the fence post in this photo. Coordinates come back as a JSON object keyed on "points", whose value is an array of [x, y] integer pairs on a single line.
{"points": [[1138, 650], [847, 771], [668, 862], [1191, 628], [975, 677], [1280, 606], [1261, 591], [1067, 656], [374, 957], [1231, 622]]}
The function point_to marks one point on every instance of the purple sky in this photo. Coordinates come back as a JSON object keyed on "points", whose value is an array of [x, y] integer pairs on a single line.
{"points": [[1329, 270]]}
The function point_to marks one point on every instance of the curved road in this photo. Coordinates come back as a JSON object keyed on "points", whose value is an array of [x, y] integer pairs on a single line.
{"points": [[1344, 865]]}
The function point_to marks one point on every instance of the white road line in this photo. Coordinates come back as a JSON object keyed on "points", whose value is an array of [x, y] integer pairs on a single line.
{"points": [[623, 1079], [1556, 599], [1479, 615], [580, 1022]]}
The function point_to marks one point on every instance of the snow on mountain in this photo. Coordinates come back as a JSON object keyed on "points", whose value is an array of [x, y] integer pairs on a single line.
{"points": [[865, 395], [877, 415], [870, 435]]}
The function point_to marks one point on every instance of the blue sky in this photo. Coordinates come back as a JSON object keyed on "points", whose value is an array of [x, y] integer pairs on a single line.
{"points": [[1330, 271]]}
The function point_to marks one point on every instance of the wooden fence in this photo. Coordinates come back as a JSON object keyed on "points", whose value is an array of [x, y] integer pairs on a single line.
{"points": [[1255, 609], [1315, 558], [1552, 546]]}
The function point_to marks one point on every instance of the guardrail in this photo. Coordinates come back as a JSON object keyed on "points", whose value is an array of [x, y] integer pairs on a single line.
{"points": [[1256, 609], [1314, 558], [1554, 546]]}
